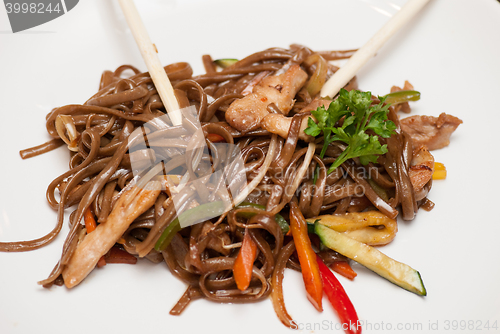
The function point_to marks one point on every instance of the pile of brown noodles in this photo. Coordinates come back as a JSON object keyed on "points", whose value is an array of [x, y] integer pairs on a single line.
{"points": [[97, 135]]}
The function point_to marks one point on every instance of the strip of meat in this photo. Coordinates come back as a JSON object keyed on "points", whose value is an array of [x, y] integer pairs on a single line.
{"points": [[129, 206], [280, 124], [433, 132], [246, 114], [421, 169]]}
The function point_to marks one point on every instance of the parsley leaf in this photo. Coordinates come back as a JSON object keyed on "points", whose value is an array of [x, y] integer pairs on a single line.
{"points": [[358, 116], [312, 128]]}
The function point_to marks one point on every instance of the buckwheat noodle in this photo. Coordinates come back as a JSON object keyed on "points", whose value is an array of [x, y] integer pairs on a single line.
{"points": [[98, 135]]}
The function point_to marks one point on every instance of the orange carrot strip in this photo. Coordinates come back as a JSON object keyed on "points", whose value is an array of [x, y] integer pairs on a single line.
{"points": [[307, 257], [343, 268], [243, 265], [89, 219], [91, 225]]}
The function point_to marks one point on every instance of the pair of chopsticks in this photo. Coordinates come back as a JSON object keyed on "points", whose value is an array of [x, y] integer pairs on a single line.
{"points": [[331, 87]]}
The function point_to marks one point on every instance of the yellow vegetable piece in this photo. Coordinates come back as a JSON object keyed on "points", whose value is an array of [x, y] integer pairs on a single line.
{"points": [[439, 166], [439, 171], [370, 227]]}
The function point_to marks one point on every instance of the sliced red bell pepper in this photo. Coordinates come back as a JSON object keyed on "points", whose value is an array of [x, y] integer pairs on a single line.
{"points": [[118, 255], [339, 300], [307, 257]]}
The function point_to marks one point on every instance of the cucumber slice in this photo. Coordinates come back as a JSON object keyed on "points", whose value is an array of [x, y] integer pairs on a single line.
{"points": [[373, 259], [225, 62]]}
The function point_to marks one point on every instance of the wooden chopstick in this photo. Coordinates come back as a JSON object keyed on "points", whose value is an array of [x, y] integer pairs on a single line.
{"points": [[367, 51], [150, 56]]}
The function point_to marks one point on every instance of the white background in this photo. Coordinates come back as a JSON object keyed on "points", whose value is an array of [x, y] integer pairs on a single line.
{"points": [[449, 52]]}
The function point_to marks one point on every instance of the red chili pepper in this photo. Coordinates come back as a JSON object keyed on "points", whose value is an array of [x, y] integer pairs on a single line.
{"points": [[339, 300]]}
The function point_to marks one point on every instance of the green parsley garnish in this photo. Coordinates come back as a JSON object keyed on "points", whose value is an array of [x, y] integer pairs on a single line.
{"points": [[359, 118]]}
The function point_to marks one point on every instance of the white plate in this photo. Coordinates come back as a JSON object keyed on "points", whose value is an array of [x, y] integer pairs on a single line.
{"points": [[450, 53]]}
